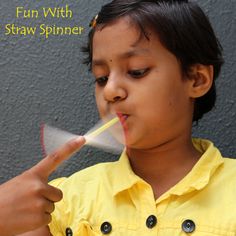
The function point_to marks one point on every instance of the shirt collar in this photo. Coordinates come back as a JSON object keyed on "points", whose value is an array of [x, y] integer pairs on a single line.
{"points": [[202, 171], [124, 178], [122, 175]]}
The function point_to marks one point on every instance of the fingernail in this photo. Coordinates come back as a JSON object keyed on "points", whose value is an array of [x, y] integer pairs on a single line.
{"points": [[80, 139]]}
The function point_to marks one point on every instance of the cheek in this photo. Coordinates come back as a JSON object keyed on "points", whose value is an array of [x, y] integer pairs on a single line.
{"points": [[177, 108], [101, 105], [160, 105]]}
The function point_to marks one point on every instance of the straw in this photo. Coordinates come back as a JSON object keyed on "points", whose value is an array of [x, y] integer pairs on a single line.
{"points": [[101, 129]]}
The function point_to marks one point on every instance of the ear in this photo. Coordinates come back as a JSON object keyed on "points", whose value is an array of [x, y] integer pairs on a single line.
{"points": [[201, 79]]}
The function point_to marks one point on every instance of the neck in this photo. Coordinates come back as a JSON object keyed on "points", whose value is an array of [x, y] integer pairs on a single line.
{"points": [[164, 166]]}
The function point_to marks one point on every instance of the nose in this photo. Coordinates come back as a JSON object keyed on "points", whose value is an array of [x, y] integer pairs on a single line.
{"points": [[114, 89]]}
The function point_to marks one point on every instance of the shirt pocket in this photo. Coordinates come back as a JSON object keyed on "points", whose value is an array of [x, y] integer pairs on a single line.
{"points": [[84, 229]]}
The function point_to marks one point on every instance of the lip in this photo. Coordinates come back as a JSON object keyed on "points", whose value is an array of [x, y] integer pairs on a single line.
{"points": [[122, 116]]}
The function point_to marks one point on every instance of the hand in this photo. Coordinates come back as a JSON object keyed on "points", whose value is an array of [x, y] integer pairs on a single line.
{"points": [[27, 200]]}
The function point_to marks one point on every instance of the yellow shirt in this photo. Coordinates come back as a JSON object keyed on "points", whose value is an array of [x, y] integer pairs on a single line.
{"points": [[109, 198]]}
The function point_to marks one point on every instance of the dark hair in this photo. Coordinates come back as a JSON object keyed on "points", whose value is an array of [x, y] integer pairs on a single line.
{"points": [[182, 28]]}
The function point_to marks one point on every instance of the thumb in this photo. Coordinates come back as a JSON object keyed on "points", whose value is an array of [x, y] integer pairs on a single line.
{"points": [[51, 162]]}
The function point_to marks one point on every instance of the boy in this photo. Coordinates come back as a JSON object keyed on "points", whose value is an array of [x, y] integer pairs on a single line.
{"points": [[155, 64]]}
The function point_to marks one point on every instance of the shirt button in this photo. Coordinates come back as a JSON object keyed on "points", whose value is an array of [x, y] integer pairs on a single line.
{"points": [[188, 226], [106, 228], [151, 221], [69, 232]]}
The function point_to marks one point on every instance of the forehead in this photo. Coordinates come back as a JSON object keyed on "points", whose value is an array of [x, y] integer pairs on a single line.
{"points": [[119, 37]]}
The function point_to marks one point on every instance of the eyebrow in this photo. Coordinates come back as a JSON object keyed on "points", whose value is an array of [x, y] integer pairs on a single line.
{"points": [[126, 55]]}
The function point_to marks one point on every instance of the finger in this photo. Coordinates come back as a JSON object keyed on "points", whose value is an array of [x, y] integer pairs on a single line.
{"points": [[53, 194], [50, 163], [50, 207], [46, 218]]}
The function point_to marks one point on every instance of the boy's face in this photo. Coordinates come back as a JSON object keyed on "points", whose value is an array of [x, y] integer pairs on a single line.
{"points": [[141, 80]]}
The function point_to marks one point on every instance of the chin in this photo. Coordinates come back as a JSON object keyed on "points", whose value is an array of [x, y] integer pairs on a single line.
{"points": [[133, 143], [142, 143]]}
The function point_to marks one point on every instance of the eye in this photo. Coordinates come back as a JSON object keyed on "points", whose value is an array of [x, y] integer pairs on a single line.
{"points": [[138, 73], [101, 81]]}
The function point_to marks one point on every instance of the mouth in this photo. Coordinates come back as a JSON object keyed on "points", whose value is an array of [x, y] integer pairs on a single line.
{"points": [[123, 117]]}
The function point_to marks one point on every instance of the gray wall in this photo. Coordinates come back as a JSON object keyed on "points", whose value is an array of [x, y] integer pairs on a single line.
{"points": [[44, 81]]}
